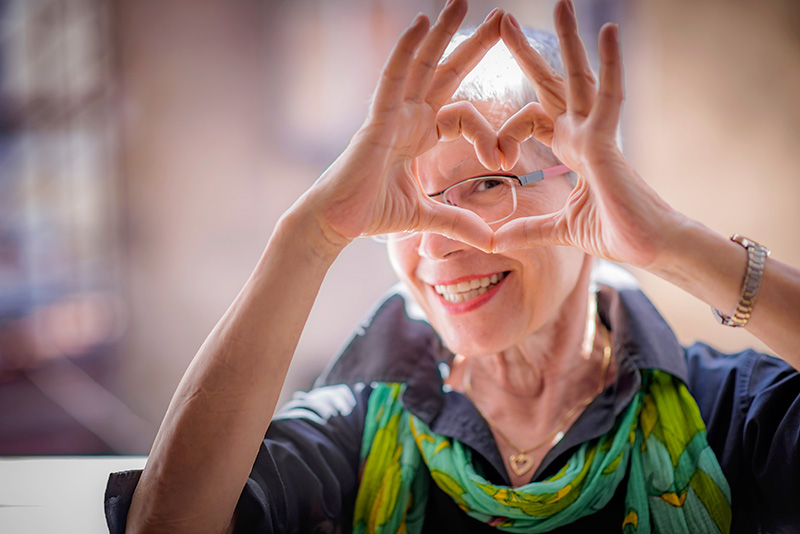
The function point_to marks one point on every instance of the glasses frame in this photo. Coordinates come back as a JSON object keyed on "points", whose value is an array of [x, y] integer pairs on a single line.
{"points": [[522, 180]]}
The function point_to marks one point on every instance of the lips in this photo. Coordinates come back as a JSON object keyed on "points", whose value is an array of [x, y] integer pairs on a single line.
{"points": [[468, 290]]}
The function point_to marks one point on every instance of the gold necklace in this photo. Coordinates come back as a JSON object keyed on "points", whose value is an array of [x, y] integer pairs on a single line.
{"points": [[520, 462]]}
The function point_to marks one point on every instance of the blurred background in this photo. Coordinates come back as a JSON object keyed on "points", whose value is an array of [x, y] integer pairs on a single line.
{"points": [[147, 148]]}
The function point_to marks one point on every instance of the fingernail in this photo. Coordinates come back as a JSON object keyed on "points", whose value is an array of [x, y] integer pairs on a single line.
{"points": [[491, 13], [444, 9], [571, 7], [515, 22]]}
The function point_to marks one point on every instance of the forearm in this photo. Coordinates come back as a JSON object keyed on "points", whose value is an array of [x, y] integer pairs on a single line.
{"points": [[711, 267], [219, 414]]}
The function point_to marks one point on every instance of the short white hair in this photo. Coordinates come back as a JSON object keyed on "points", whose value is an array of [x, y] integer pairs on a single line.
{"points": [[498, 77]]}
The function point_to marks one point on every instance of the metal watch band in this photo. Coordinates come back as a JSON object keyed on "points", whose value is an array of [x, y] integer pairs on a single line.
{"points": [[756, 260]]}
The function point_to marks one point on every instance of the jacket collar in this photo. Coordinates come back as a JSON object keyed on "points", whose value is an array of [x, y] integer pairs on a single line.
{"points": [[396, 344]]}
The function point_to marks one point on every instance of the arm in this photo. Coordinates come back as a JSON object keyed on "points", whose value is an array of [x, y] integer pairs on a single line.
{"points": [[613, 213], [211, 433], [711, 267]]}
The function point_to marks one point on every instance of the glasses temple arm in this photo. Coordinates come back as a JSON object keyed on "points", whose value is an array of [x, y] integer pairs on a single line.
{"points": [[538, 176]]}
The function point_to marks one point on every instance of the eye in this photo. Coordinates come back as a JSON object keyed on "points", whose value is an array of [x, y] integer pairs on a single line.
{"points": [[488, 183]]}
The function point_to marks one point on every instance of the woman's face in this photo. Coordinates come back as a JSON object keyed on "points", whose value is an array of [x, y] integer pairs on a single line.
{"points": [[525, 289]]}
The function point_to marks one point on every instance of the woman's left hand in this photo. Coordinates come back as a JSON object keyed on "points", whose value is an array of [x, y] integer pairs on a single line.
{"points": [[612, 213]]}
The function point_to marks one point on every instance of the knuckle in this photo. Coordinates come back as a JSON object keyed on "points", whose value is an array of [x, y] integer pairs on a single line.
{"points": [[448, 73], [582, 76], [425, 63], [391, 78], [611, 95]]}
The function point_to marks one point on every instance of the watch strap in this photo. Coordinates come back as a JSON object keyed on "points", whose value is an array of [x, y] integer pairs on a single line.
{"points": [[756, 261]]}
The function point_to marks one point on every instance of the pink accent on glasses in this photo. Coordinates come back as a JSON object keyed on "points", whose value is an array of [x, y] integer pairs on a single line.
{"points": [[538, 176]]}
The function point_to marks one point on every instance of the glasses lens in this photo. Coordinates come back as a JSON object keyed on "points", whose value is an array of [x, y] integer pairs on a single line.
{"points": [[493, 198]]}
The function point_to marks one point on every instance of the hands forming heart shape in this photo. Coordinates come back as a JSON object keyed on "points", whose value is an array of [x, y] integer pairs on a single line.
{"points": [[372, 188]]}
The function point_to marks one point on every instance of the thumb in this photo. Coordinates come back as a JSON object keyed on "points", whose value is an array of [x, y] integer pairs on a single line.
{"points": [[529, 232], [457, 223]]}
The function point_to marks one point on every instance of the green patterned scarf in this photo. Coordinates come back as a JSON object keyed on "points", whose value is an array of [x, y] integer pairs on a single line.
{"points": [[675, 483]]}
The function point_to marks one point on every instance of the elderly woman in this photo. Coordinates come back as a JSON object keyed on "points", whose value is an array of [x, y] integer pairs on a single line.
{"points": [[509, 385]]}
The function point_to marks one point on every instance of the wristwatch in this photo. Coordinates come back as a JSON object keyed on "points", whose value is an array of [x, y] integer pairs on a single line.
{"points": [[756, 260]]}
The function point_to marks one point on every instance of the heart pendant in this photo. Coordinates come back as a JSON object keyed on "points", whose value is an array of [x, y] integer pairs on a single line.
{"points": [[520, 463]]}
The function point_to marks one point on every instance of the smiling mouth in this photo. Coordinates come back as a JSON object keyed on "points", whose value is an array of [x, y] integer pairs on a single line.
{"points": [[465, 291]]}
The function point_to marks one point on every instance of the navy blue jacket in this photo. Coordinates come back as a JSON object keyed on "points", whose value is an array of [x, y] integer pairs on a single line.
{"points": [[305, 477]]}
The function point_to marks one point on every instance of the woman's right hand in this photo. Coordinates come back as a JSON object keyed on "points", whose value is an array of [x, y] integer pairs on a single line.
{"points": [[372, 186]]}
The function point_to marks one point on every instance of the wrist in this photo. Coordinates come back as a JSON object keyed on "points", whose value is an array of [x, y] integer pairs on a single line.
{"points": [[704, 263], [680, 235], [300, 225]]}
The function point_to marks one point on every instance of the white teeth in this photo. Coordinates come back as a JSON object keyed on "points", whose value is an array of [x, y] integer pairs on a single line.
{"points": [[464, 291], [463, 297]]}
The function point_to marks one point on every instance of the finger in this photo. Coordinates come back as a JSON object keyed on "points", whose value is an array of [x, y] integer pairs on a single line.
{"points": [[529, 232], [549, 85], [580, 80], [459, 224], [530, 121], [462, 119], [608, 106], [391, 85], [432, 48], [451, 72]]}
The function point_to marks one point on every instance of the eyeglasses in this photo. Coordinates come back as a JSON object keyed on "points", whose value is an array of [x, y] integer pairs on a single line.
{"points": [[493, 197]]}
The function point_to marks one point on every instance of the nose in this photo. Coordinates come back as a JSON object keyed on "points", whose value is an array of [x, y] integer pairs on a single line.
{"points": [[438, 247]]}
